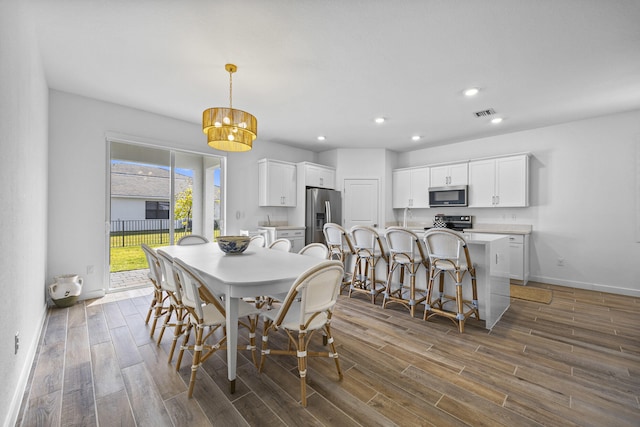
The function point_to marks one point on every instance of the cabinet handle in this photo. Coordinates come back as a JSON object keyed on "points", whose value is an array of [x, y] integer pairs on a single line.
{"points": [[321, 181], [497, 200]]}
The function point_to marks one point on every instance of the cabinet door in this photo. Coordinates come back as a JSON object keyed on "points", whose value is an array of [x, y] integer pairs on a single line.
{"points": [[277, 186], [458, 174], [516, 256], [512, 182], [443, 176], [419, 188], [312, 176], [288, 185], [327, 178], [439, 176], [318, 176], [401, 189], [482, 183]]}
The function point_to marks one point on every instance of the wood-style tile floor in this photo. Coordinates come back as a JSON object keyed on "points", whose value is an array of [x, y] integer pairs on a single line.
{"points": [[574, 362]]}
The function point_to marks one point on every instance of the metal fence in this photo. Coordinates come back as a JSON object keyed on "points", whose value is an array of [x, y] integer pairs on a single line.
{"points": [[149, 231]]}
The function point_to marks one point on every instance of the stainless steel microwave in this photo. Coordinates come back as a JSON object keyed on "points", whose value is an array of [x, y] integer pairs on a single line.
{"points": [[448, 196]]}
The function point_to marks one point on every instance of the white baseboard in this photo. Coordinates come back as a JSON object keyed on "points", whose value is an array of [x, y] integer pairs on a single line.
{"points": [[16, 401], [587, 286]]}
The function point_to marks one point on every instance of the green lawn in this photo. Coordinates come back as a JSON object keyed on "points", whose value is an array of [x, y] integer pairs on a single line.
{"points": [[131, 257]]}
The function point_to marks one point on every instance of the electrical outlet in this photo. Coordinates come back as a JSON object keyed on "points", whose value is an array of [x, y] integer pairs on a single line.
{"points": [[560, 262], [513, 217], [17, 342], [89, 269]]}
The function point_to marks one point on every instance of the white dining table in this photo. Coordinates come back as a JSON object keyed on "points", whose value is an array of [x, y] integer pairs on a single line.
{"points": [[257, 271]]}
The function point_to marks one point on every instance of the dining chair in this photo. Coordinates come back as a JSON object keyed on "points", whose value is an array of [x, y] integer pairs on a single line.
{"points": [[369, 252], [406, 256], [257, 241], [281, 245], [340, 248], [192, 239], [174, 317], [449, 255], [157, 306], [308, 307], [205, 310], [317, 250]]}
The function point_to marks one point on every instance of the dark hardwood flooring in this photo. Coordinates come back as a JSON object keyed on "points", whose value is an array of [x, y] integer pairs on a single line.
{"points": [[574, 362]]}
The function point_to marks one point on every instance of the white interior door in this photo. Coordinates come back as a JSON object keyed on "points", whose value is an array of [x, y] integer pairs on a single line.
{"points": [[360, 202]]}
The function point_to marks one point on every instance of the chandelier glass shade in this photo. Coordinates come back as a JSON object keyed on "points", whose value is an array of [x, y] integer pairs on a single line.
{"points": [[228, 129]]}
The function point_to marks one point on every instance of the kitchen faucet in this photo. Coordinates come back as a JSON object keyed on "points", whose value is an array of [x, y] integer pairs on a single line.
{"points": [[404, 220], [268, 221]]}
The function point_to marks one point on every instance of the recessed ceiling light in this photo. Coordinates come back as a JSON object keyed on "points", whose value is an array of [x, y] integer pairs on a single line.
{"points": [[322, 138], [379, 120], [496, 120], [472, 91], [416, 138]]}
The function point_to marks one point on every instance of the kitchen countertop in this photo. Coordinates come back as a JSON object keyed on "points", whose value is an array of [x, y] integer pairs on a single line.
{"points": [[500, 228], [283, 227]]}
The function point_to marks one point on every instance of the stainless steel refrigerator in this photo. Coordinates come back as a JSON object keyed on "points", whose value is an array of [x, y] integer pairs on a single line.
{"points": [[322, 206]]}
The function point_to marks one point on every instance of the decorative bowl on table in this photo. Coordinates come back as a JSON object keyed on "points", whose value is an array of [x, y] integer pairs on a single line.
{"points": [[233, 244]]}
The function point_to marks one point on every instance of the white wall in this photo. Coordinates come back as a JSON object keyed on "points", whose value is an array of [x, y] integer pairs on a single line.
{"points": [[583, 193], [243, 211], [23, 188], [364, 164], [78, 164]]}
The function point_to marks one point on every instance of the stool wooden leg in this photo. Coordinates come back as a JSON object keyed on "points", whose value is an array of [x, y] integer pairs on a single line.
{"points": [[412, 292], [432, 272], [460, 317]]}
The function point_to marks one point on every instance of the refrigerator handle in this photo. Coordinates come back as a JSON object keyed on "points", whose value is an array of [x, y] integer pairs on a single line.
{"points": [[327, 211]]}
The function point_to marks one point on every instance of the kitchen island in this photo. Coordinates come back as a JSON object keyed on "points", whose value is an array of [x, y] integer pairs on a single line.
{"points": [[490, 254]]}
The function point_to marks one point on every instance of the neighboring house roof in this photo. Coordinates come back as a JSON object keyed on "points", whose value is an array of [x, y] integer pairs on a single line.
{"points": [[136, 180]]}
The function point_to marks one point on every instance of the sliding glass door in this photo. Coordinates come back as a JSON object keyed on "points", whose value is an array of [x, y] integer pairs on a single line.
{"points": [[156, 196]]}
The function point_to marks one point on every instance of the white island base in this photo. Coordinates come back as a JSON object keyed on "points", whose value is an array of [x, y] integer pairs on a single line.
{"points": [[490, 254]]}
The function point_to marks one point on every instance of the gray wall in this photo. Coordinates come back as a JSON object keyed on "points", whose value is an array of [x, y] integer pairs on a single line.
{"points": [[23, 189]]}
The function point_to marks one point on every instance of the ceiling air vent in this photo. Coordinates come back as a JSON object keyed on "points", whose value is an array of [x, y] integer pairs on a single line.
{"points": [[485, 113]]}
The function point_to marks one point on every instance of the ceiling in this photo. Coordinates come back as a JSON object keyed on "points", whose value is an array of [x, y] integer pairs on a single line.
{"points": [[330, 67]]}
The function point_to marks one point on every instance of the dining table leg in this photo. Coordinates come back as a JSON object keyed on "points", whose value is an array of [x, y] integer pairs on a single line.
{"points": [[232, 307]]}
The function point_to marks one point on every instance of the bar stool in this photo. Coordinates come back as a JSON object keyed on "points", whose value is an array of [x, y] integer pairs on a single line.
{"points": [[448, 253], [405, 255], [369, 251], [340, 248]]}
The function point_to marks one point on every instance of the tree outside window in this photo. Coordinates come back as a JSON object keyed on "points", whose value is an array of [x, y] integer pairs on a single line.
{"points": [[182, 210]]}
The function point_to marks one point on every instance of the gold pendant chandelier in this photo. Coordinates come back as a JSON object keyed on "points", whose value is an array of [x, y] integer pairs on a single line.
{"points": [[228, 129]]}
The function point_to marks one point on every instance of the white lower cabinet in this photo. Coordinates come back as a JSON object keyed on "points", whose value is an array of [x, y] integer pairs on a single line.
{"points": [[294, 234], [519, 255]]}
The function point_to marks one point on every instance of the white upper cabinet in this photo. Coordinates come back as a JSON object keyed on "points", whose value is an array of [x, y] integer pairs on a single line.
{"points": [[277, 183], [499, 182], [319, 176], [449, 175], [410, 188]]}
